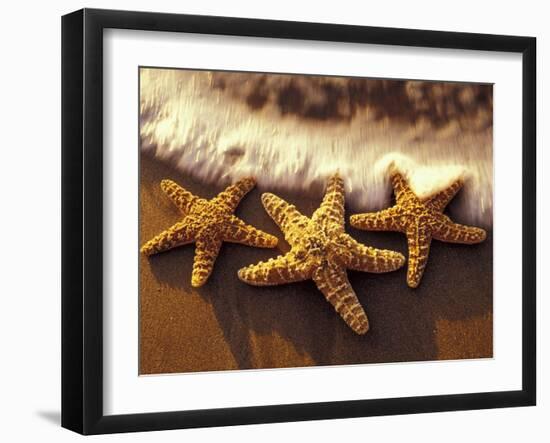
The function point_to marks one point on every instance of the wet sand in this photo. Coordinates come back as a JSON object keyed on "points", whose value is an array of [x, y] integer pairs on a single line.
{"points": [[227, 324]]}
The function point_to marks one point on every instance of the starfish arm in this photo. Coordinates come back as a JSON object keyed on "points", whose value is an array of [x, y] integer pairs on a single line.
{"points": [[332, 206], [418, 240], [287, 217], [385, 220], [359, 257], [206, 252], [230, 198], [283, 269], [332, 281], [450, 232], [401, 187], [237, 231], [177, 235], [181, 197], [439, 201]]}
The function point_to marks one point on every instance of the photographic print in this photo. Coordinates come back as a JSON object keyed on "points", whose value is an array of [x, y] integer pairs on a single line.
{"points": [[291, 220]]}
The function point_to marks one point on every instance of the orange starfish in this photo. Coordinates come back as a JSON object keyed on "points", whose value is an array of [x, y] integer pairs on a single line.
{"points": [[208, 223], [421, 220], [321, 251]]}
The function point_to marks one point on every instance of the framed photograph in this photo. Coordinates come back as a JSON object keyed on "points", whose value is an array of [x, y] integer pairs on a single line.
{"points": [[269, 221]]}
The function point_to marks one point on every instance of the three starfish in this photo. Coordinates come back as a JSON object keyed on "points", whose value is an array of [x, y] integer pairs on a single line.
{"points": [[208, 223], [321, 251], [421, 220]]}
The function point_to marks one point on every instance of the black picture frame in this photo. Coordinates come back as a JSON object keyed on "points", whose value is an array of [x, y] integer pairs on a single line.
{"points": [[82, 218]]}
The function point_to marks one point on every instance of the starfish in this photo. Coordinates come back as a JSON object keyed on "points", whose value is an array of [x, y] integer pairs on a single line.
{"points": [[321, 251], [208, 223], [421, 220]]}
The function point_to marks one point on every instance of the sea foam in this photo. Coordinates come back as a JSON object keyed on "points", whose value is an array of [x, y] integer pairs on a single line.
{"points": [[214, 133]]}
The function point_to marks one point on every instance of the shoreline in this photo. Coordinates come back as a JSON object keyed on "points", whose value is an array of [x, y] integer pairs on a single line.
{"points": [[227, 324]]}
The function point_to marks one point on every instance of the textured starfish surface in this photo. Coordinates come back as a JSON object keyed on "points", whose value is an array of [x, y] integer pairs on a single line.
{"points": [[207, 223], [321, 251], [421, 220]]}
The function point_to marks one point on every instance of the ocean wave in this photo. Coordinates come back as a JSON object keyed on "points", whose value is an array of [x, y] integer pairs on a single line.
{"points": [[292, 132]]}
